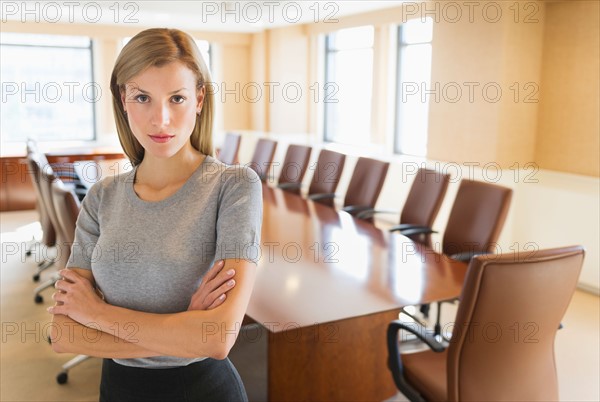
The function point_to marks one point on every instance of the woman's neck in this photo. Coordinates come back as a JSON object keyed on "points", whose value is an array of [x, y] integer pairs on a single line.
{"points": [[162, 172]]}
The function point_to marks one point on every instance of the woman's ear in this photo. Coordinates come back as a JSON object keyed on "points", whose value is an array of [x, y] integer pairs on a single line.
{"points": [[200, 99]]}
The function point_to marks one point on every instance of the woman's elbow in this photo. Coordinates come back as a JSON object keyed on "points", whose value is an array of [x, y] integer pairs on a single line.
{"points": [[57, 343]]}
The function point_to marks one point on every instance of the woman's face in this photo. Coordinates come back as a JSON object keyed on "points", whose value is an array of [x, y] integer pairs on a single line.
{"points": [[161, 105]]}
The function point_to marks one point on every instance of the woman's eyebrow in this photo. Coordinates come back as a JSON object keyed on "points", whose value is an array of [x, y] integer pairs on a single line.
{"points": [[170, 93]]}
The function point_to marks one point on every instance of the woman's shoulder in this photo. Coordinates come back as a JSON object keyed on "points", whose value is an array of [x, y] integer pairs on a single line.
{"points": [[240, 175]]}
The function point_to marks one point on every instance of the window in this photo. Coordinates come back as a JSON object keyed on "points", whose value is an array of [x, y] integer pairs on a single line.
{"points": [[349, 85], [48, 88], [414, 76], [204, 47]]}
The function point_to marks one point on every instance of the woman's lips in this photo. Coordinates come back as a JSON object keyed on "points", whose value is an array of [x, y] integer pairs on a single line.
{"points": [[161, 138]]}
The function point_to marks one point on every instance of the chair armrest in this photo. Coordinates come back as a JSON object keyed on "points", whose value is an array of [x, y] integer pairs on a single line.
{"points": [[405, 226], [356, 209], [321, 196], [467, 255], [286, 186], [419, 331], [395, 359], [371, 212], [416, 230]]}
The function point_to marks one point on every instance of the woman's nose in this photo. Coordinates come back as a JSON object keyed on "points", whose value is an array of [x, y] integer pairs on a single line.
{"points": [[161, 115]]}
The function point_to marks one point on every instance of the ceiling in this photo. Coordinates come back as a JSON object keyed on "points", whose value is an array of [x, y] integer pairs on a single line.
{"points": [[220, 16]]}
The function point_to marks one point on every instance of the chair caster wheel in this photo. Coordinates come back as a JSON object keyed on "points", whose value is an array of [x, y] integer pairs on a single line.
{"points": [[38, 299], [36, 277], [62, 377]]}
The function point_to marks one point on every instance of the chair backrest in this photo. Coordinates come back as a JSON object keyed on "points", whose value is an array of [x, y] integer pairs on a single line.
{"points": [[327, 174], [49, 233], [476, 218], [263, 157], [46, 179], [67, 208], [366, 183], [295, 165], [229, 151], [425, 198], [502, 346]]}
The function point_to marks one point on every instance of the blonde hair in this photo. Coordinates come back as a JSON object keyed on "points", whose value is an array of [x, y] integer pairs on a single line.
{"points": [[154, 48]]}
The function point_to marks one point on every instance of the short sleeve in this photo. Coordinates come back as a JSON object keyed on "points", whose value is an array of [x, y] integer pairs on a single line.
{"points": [[239, 218], [87, 231]]}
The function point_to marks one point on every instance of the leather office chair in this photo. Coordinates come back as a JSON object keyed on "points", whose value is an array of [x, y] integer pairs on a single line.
{"points": [[422, 204], [294, 168], [326, 178], [502, 347], [67, 208], [37, 165], [365, 186], [228, 153], [48, 231], [263, 158], [64, 237], [476, 219]]}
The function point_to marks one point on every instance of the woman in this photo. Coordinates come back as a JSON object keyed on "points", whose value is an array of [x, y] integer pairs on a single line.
{"points": [[132, 292]]}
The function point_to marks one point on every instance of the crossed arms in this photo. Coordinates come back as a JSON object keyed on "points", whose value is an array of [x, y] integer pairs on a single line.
{"points": [[84, 324]]}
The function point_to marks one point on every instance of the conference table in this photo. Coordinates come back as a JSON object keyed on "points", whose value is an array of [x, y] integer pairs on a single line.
{"points": [[327, 286]]}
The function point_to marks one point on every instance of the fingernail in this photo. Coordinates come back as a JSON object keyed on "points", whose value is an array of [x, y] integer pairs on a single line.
{"points": [[230, 272], [230, 283], [222, 296], [49, 309], [221, 262]]}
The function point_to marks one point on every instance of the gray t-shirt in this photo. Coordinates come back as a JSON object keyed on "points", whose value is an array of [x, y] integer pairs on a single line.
{"points": [[151, 256]]}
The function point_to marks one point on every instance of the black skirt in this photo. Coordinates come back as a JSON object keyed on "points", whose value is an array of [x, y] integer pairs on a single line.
{"points": [[207, 380]]}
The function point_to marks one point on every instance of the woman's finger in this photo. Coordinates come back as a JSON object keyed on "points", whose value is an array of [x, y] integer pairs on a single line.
{"points": [[218, 301], [63, 285], [69, 275], [214, 271], [221, 290], [219, 280]]}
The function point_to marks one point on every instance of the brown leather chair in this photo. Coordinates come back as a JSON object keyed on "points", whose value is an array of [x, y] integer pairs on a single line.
{"points": [[263, 158], [476, 219], [64, 234], [67, 208], [502, 347], [326, 178], [294, 168], [228, 153], [422, 203], [49, 233], [365, 186]]}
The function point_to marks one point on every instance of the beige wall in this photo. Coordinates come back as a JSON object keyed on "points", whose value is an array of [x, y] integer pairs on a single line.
{"points": [[568, 136], [288, 73]]}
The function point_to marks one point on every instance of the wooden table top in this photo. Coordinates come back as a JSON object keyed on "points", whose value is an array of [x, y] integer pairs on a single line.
{"points": [[320, 265]]}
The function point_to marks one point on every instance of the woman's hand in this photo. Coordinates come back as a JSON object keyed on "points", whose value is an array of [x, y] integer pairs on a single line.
{"points": [[75, 297], [213, 289]]}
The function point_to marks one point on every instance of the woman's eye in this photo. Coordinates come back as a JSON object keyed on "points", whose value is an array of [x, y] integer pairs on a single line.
{"points": [[178, 99], [142, 98]]}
